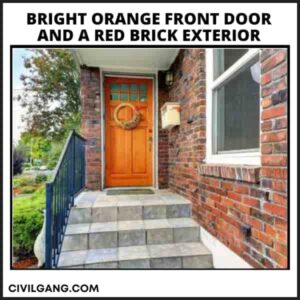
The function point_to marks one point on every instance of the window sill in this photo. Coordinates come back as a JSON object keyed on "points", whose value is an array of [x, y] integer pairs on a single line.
{"points": [[246, 173], [246, 158]]}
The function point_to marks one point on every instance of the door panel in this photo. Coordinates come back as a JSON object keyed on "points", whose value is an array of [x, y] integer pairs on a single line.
{"points": [[128, 152], [120, 142], [139, 151]]}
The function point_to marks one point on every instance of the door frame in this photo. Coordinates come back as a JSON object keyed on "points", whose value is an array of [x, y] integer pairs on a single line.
{"points": [[153, 77]]}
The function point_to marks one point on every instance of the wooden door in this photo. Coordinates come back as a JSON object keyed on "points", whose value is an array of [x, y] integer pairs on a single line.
{"points": [[128, 152]]}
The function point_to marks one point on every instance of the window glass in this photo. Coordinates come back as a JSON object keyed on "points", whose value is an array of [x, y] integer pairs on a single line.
{"points": [[236, 113], [134, 97], [143, 88], [225, 58], [114, 96], [115, 87], [128, 92], [134, 87], [143, 92], [143, 97], [124, 87], [124, 97]]}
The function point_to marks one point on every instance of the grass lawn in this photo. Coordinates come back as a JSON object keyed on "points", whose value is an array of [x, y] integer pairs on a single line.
{"points": [[24, 204]]}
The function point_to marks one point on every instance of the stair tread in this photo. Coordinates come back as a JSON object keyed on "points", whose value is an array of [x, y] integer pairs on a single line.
{"points": [[84, 228], [94, 256], [100, 199]]}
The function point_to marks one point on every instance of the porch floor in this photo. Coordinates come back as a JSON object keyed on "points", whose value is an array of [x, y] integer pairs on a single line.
{"points": [[132, 232]]}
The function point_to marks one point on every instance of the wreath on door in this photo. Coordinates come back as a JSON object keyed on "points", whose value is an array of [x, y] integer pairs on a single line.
{"points": [[128, 124]]}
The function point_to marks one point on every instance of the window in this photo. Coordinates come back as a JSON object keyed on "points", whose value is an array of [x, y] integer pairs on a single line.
{"points": [[233, 104], [128, 92], [225, 58]]}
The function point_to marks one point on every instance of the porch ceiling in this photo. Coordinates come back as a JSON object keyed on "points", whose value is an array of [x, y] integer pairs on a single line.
{"points": [[131, 59]]}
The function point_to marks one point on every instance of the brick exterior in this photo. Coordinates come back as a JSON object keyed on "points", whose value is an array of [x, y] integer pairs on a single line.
{"points": [[274, 139], [187, 142], [163, 137], [224, 197], [90, 124]]}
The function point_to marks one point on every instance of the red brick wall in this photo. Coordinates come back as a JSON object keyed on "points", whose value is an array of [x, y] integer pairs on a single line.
{"points": [[163, 137], [274, 148], [90, 124], [187, 142], [226, 198]]}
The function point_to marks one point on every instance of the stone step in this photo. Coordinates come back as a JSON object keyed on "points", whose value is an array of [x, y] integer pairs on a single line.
{"points": [[101, 208], [165, 256], [130, 233]]}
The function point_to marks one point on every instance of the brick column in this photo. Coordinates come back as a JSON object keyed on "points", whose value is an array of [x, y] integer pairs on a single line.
{"points": [[187, 141], [163, 137], [90, 124], [274, 147]]}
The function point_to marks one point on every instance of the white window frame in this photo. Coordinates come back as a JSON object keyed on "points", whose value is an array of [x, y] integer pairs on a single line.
{"points": [[245, 157]]}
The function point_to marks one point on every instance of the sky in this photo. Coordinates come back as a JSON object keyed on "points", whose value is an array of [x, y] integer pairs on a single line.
{"points": [[18, 69]]}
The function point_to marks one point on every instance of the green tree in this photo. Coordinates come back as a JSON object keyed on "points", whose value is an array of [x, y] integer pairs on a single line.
{"points": [[37, 147], [51, 93]]}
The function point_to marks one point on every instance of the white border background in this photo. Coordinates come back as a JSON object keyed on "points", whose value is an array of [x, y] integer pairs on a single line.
{"points": [[157, 283]]}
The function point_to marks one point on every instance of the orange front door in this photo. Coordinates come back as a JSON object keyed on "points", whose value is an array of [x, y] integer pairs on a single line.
{"points": [[128, 151]]}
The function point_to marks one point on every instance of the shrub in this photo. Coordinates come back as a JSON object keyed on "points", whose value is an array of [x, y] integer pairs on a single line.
{"points": [[18, 161], [52, 164], [40, 178], [25, 229], [27, 222], [20, 181]]}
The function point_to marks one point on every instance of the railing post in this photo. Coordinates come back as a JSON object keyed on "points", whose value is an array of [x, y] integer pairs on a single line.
{"points": [[73, 168], [48, 234], [83, 164], [71, 173]]}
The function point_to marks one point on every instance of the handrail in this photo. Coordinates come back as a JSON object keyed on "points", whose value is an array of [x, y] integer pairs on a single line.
{"points": [[67, 181], [62, 155]]}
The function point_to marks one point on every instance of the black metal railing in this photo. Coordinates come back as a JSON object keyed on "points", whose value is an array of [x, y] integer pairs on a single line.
{"points": [[67, 181]]}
